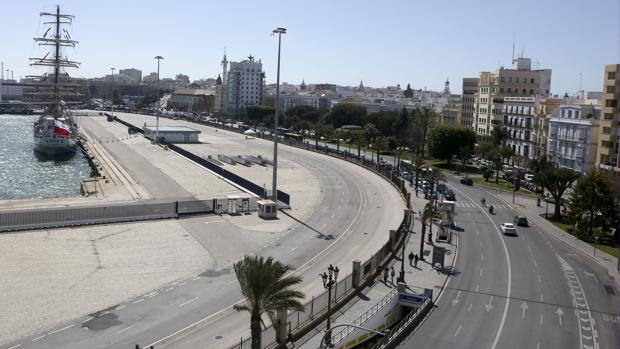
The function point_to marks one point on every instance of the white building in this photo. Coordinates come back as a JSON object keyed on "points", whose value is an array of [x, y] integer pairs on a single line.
{"points": [[288, 101], [244, 85], [573, 136], [519, 119]]}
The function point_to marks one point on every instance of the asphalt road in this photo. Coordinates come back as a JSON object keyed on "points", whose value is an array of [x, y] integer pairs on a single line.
{"points": [[525, 291], [357, 210]]}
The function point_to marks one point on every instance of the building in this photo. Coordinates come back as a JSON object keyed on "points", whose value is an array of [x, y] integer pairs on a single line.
{"points": [[244, 85], [134, 74], [573, 136], [519, 119], [451, 112], [607, 149], [221, 90], [468, 101], [519, 81], [192, 100], [288, 101], [182, 79], [173, 134]]}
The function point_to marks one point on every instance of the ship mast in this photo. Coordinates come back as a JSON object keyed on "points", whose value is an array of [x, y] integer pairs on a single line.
{"points": [[57, 40]]}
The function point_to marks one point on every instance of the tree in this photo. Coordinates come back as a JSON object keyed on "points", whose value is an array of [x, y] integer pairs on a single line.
{"points": [[266, 289], [593, 202], [381, 144], [359, 139], [484, 150], [556, 181], [384, 122], [499, 134], [539, 165], [402, 128], [445, 141], [498, 163], [260, 114], [347, 114], [434, 176], [422, 119], [427, 215]]}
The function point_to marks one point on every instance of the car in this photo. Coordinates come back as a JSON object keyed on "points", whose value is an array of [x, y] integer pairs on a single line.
{"points": [[521, 221], [450, 195], [508, 229], [467, 181]]}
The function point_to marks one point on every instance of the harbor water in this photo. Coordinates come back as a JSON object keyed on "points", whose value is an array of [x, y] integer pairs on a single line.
{"points": [[25, 174]]}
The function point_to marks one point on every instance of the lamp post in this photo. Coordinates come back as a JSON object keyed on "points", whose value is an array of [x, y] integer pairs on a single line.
{"points": [[112, 97], [274, 189], [329, 280], [547, 205], [158, 58], [401, 277]]}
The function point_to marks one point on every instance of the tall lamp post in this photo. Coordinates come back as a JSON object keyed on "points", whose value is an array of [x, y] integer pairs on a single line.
{"points": [[274, 189], [158, 58], [401, 277], [547, 205], [112, 97], [329, 280]]}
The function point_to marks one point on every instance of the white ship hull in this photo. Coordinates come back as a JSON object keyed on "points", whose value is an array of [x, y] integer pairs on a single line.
{"points": [[54, 146], [48, 140]]}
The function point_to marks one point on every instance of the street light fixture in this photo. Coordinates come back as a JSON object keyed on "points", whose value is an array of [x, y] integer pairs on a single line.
{"points": [[401, 277], [158, 58], [112, 97], [329, 280], [274, 189]]}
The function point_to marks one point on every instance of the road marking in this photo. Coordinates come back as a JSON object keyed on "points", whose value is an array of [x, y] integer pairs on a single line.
{"points": [[542, 298], [61, 329], [537, 345], [539, 278], [152, 294], [36, 339], [457, 331], [169, 289], [456, 300], [294, 248], [126, 328], [138, 301], [83, 321], [15, 346], [121, 307], [482, 257], [535, 264], [480, 271], [105, 312], [489, 306], [223, 220], [523, 309], [541, 319], [477, 287], [560, 313], [469, 308], [196, 278], [182, 283]]}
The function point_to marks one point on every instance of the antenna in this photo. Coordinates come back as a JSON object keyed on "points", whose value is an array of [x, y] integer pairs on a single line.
{"points": [[522, 49], [580, 80], [1, 70], [513, 46]]}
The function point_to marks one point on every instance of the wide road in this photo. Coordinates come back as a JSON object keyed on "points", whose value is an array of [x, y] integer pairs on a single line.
{"points": [[357, 209], [525, 291]]}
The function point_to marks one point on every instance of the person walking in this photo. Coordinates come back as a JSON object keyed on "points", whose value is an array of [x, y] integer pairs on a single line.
{"points": [[385, 275], [392, 273], [415, 261], [411, 257]]}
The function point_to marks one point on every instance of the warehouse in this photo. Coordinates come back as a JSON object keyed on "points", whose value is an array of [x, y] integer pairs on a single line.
{"points": [[173, 134]]}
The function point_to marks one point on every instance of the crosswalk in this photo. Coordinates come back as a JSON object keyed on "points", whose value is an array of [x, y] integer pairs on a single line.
{"points": [[470, 204]]}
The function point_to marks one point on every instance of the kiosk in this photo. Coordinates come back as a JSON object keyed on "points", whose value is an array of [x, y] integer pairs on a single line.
{"points": [[267, 209]]}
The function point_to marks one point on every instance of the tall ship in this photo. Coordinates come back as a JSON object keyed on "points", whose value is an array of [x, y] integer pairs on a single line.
{"points": [[55, 132]]}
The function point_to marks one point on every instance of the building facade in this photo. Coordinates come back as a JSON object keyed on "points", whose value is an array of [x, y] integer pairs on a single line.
{"points": [[607, 149], [134, 74], [245, 85], [519, 81], [293, 100], [573, 136], [192, 100], [451, 113], [468, 101], [519, 119]]}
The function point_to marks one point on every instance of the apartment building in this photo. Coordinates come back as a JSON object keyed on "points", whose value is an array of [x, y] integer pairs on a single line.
{"points": [[607, 149], [468, 101], [244, 85]]}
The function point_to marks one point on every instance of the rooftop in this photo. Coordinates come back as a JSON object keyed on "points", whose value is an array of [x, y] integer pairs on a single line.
{"points": [[172, 129]]}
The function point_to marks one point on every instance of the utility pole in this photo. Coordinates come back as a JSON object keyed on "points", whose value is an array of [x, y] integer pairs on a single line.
{"points": [[158, 58], [112, 97]]}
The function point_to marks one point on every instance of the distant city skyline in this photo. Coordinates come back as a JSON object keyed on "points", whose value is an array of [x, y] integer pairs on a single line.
{"points": [[341, 43]]}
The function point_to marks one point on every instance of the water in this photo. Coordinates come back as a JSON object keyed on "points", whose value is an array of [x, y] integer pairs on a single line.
{"points": [[25, 174]]}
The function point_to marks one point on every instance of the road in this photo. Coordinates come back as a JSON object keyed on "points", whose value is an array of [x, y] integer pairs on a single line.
{"points": [[526, 291], [356, 211]]}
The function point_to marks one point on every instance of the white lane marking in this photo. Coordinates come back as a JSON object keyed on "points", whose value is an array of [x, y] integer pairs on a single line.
{"points": [[182, 283], [542, 298], [152, 294], [126, 328], [560, 313], [534, 261], [482, 257], [121, 307], [489, 306], [480, 271], [359, 210], [538, 345], [15, 346], [523, 309], [541, 319], [189, 301], [86, 320], [539, 278], [457, 331], [105, 312], [138, 301], [477, 288], [294, 248], [456, 299], [196, 278], [36, 339], [469, 308], [169, 289], [61, 329], [223, 220]]}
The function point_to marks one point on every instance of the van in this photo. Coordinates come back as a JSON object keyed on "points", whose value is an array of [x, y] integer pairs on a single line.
{"points": [[529, 177]]}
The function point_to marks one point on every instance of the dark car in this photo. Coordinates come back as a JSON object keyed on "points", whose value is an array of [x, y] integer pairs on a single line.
{"points": [[521, 221], [467, 181], [450, 195]]}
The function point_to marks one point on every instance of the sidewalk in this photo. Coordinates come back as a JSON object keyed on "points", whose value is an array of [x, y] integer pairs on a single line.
{"points": [[417, 279], [528, 208]]}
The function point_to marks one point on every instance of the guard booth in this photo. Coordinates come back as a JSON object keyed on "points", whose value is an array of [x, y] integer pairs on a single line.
{"points": [[232, 204], [267, 209]]}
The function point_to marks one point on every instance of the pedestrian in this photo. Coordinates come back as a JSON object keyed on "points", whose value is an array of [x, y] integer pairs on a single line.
{"points": [[415, 261], [385, 275], [392, 273], [411, 258]]}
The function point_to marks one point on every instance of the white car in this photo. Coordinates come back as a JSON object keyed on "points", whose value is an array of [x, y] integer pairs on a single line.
{"points": [[508, 229]]}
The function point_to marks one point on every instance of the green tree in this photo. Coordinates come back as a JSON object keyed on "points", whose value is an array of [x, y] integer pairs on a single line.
{"points": [[402, 128], [427, 215], [423, 119], [593, 202], [260, 114], [484, 150], [347, 114], [539, 165], [381, 144], [499, 134], [556, 181], [384, 121], [266, 289], [498, 163], [445, 141]]}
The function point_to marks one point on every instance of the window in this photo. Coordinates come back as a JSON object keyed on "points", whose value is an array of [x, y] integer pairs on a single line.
{"points": [[611, 76], [570, 113], [576, 114], [509, 90], [532, 80], [531, 91], [501, 89], [611, 89], [524, 91]]}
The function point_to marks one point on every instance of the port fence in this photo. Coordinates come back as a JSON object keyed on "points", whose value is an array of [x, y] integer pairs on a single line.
{"points": [[59, 217]]}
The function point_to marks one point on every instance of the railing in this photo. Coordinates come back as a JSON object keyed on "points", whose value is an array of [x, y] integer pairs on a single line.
{"points": [[363, 318], [405, 326]]}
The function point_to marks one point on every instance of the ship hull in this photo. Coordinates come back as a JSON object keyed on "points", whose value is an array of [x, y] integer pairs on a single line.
{"points": [[54, 146]]}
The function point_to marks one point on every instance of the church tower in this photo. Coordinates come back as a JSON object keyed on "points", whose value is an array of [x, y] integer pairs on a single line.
{"points": [[224, 86], [446, 89]]}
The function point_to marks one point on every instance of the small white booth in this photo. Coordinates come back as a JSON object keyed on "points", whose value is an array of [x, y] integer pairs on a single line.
{"points": [[267, 209]]}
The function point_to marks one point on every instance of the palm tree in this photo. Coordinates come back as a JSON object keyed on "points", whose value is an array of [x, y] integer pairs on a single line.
{"points": [[499, 135], [426, 217], [266, 290], [434, 176]]}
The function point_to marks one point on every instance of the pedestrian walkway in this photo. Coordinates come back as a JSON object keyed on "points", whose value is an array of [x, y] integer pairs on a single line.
{"points": [[529, 208], [417, 278], [470, 204]]}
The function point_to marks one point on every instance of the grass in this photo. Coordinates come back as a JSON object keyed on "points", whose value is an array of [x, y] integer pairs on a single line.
{"points": [[453, 167], [501, 185], [565, 224]]}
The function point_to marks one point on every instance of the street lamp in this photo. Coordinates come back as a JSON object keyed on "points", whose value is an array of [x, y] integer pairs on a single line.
{"points": [[274, 189], [401, 277], [158, 58], [547, 205], [112, 97], [329, 280]]}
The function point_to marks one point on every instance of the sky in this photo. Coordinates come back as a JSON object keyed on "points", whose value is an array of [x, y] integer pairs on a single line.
{"points": [[382, 43]]}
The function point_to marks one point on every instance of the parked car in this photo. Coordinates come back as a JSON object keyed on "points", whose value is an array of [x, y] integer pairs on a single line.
{"points": [[450, 195], [521, 221], [508, 229], [467, 181]]}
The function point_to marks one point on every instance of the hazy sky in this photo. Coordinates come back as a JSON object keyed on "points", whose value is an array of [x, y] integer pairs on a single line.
{"points": [[339, 41]]}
